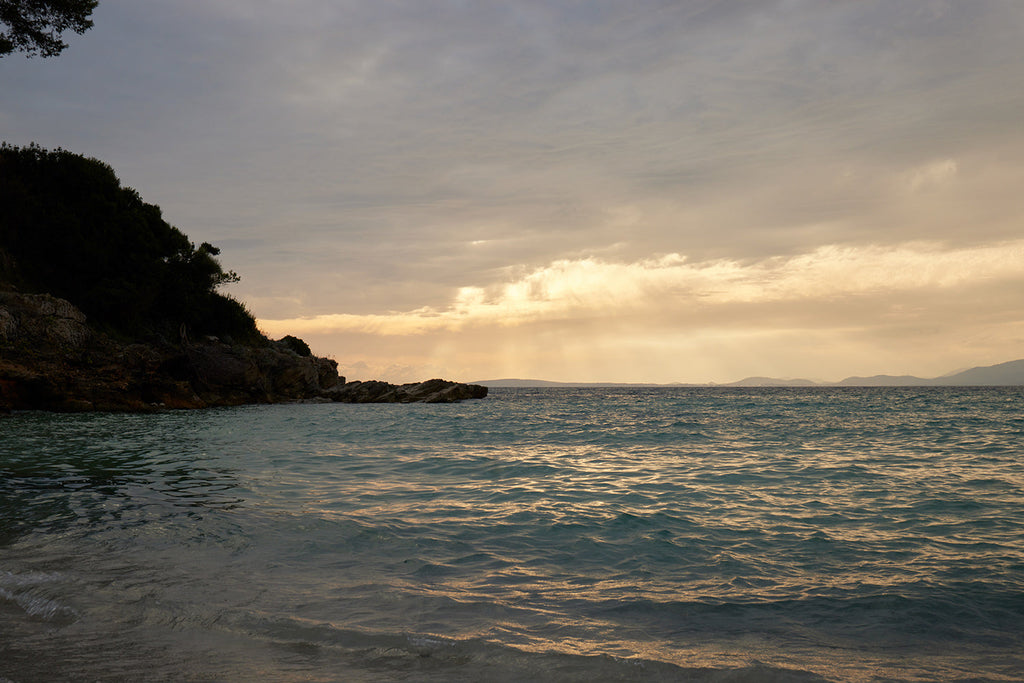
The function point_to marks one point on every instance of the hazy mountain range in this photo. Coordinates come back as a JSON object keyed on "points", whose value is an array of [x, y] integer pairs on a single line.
{"points": [[1004, 374]]}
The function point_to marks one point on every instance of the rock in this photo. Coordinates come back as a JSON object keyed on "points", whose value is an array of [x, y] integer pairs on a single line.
{"points": [[8, 326], [41, 319], [224, 374], [362, 392], [441, 391], [327, 372], [431, 391]]}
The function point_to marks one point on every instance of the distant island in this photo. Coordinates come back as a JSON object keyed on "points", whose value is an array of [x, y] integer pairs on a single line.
{"points": [[105, 306], [1010, 373]]}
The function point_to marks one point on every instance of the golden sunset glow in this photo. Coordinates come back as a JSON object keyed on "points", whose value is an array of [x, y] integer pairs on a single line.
{"points": [[662, 306], [589, 287]]}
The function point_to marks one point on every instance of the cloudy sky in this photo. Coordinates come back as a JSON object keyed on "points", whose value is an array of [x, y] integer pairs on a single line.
{"points": [[652, 191]]}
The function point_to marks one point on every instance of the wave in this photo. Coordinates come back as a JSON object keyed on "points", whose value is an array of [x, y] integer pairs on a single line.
{"points": [[905, 615], [28, 593], [367, 656]]}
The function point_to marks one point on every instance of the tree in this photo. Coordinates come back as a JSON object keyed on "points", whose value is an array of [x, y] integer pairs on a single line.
{"points": [[35, 26], [69, 228]]}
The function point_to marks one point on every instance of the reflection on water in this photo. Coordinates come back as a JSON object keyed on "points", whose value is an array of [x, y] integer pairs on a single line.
{"points": [[59, 473], [847, 534]]}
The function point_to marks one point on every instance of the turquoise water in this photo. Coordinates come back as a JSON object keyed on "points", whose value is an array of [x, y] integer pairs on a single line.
{"points": [[556, 534]]}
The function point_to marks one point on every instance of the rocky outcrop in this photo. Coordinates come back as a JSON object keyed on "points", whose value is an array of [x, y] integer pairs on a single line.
{"points": [[41, 319], [431, 391], [225, 374], [50, 359]]}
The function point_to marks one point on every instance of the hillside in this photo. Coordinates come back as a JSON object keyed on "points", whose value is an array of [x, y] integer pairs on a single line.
{"points": [[1009, 373], [70, 229]]}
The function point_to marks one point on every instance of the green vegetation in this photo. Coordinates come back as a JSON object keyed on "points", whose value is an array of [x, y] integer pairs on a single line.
{"points": [[68, 228], [35, 26]]}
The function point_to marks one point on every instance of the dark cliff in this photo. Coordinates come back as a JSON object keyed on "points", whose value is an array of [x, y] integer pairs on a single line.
{"points": [[50, 359]]}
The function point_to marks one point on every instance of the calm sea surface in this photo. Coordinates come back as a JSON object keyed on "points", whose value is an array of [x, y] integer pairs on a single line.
{"points": [[536, 535]]}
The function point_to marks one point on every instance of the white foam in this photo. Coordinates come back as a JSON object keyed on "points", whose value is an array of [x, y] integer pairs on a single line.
{"points": [[23, 590]]}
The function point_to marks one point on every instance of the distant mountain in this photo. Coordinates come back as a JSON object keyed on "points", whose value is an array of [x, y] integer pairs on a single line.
{"points": [[885, 381], [519, 383], [540, 383], [770, 382], [1010, 373], [1003, 374]]}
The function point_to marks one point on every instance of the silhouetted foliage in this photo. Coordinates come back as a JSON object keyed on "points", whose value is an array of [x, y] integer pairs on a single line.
{"points": [[295, 344], [35, 26], [67, 227]]}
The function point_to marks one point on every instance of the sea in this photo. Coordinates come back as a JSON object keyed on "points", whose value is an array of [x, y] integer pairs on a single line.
{"points": [[556, 534]]}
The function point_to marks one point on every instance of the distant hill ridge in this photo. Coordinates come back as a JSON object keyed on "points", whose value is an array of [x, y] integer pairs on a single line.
{"points": [[1010, 373]]}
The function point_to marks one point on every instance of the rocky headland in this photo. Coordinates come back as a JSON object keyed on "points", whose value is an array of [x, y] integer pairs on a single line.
{"points": [[106, 306], [51, 359]]}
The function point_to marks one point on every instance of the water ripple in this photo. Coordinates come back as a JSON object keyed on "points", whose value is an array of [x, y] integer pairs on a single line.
{"points": [[844, 534]]}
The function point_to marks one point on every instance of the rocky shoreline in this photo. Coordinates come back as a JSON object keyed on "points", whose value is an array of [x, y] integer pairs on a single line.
{"points": [[51, 359]]}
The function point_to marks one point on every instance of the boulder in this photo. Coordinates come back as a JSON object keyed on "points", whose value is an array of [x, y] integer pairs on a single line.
{"points": [[41, 319]]}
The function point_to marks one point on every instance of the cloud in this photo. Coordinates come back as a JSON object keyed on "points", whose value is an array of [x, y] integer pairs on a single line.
{"points": [[671, 287], [932, 175]]}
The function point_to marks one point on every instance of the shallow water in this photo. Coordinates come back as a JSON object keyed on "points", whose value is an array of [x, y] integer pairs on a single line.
{"points": [[556, 534]]}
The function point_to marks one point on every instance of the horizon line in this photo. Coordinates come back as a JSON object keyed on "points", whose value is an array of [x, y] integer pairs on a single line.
{"points": [[1009, 373]]}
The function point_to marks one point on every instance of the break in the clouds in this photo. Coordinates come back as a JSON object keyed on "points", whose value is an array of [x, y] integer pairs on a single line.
{"points": [[669, 290], [658, 191], [908, 296]]}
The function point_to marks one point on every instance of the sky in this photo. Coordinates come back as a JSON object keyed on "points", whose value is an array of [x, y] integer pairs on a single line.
{"points": [[606, 191]]}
